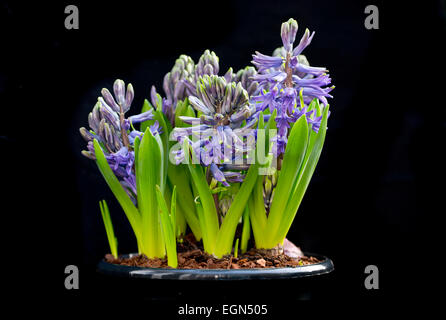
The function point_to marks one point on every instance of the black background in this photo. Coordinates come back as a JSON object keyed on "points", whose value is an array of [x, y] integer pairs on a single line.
{"points": [[371, 200]]}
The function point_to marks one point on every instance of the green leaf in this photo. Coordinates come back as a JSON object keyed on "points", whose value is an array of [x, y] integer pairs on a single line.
{"points": [[292, 161], [219, 190], [261, 156], [190, 112], [183, 109], [115, 186], [302, 181], [163, 139], [257, 229], [136, 150], [312, 105], [173, 209], [264, 156], [146, 107], [168, 229], [163, 162], [246, 231], [256, 207], [159, 102], [261, 122], [201, 219], [227, 229], [236, 248], [209, 211], [148, 176], [180, 110], [112, 240], [144, 125], [257, 213], [181, 225], [226, 234], [177, 175], [271, 125], [136, 145]]}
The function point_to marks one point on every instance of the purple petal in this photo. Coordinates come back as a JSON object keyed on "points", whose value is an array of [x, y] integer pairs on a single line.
{"points": [[153, 96], [199, 105], [311, 70], [304, 42], [264, 62], [110, 100], [320, 81], [276, 76], [234, 177], [148, 115], [218, 174]]}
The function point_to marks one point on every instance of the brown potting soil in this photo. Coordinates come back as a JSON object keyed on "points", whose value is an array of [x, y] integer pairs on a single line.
{"points": [[191, 256]]}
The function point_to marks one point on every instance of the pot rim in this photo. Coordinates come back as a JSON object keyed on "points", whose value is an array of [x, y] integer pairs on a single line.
{"points": [[323, 267]]}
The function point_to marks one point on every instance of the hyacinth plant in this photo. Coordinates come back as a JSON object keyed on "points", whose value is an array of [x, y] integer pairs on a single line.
{"points": [[219, 155]]}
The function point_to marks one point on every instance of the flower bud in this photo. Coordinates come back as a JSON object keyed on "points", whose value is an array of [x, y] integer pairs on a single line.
{"points": [[94, 118], [208, 69], [267, 187], [119, 88], [87, 135], [229, 75], [108, 114], [288, 33], [207, 58], [88, 154], [129, 95], [109, 99]]}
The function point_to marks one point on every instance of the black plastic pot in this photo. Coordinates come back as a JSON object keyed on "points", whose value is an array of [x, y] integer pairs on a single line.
{"points": [[162, 284], [325, 266]]}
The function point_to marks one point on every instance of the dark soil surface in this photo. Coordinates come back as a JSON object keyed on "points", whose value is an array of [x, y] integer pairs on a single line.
{"points": [[191, 256]]}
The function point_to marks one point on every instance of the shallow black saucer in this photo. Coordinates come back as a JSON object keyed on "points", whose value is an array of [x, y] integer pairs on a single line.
{"points": [[325, 266]]}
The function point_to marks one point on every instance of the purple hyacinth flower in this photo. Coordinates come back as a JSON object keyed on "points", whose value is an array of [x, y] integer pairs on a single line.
{"points": [[218, 174], [283, 76], [267, 99], [304, 42], [145, 116], [288, 100], [288, 33], [264, 62], [116, 134], [223, 107]]}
